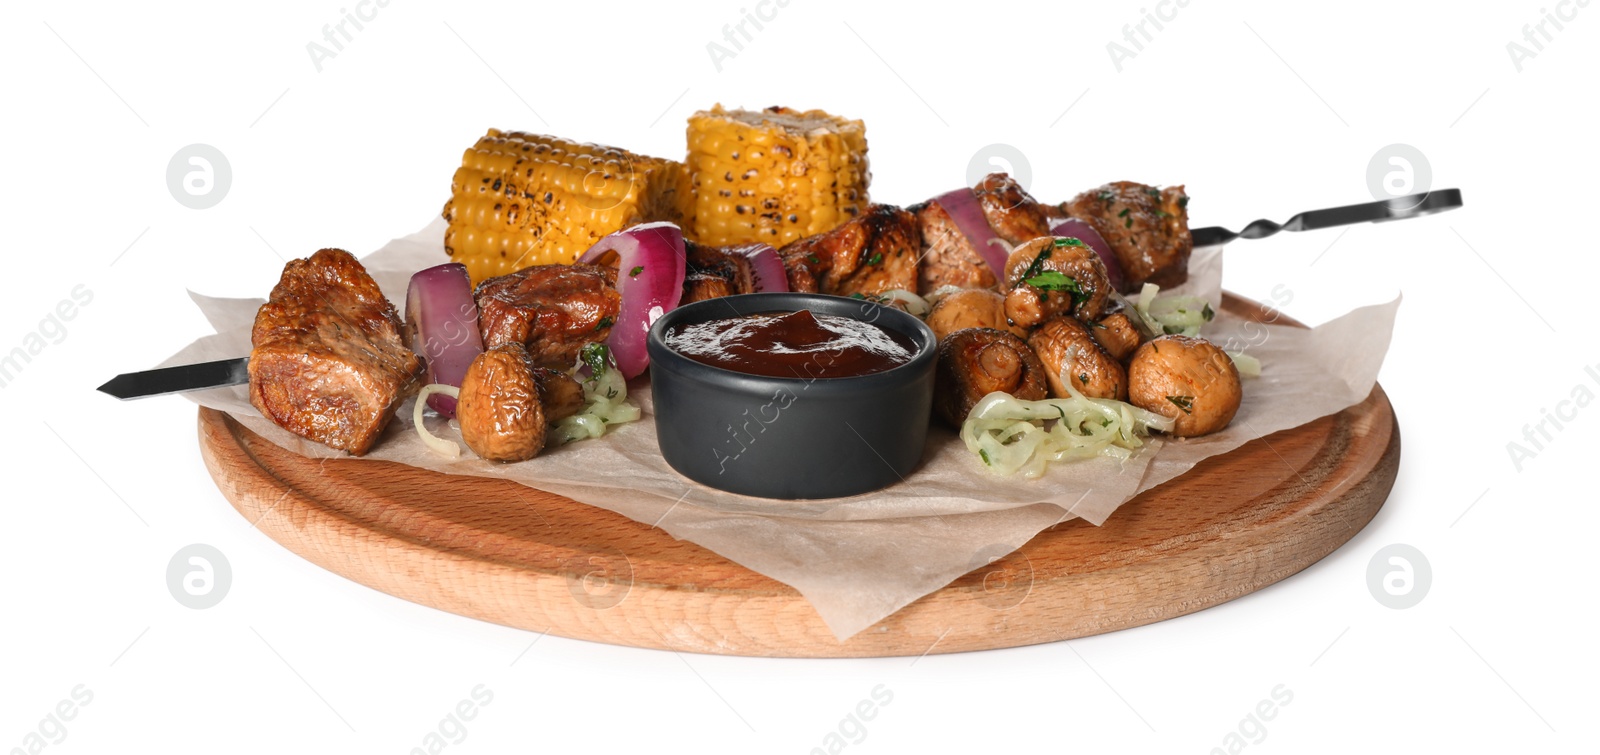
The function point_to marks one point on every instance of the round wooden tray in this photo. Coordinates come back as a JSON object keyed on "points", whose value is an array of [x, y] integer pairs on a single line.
{"points": [[502, 552]]}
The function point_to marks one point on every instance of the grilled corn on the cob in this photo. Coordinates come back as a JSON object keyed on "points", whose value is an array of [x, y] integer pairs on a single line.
{"points": [[522, 199], [773, 176]]}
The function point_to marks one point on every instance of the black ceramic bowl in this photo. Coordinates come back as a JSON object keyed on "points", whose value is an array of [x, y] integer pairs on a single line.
{"points": [[791, 438]]}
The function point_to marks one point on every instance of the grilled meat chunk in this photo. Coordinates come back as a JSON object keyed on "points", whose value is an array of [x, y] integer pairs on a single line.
{"points": [[1147, 228], [949, 257], [714, 271], [1053, 276], [560, 393], [552, 310], [328, 362], [871, 254], [1069, 353], [978, 361]]}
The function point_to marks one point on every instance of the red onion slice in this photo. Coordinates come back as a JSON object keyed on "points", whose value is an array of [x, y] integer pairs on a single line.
{"points": [[962, 206], [442, 326], [1087, 234], [767, 272], [650, 261]]}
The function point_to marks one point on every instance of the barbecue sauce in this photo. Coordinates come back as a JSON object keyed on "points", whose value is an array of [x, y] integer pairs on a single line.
{"points": [[798, 344]]}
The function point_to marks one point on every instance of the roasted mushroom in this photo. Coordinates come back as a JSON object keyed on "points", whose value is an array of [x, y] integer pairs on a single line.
{"points": [[978, 361], [970, 308], [1052, 276], [1068, 351], [1117, 334], [1187, 379], [501, 416]]}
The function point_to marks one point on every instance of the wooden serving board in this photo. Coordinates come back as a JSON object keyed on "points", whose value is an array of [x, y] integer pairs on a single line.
{"points": [[502, 552]]}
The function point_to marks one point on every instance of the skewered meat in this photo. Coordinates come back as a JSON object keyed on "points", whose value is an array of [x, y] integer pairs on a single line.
{"points": [[327, 361], [1187, 379], [1069, 352], [978, 361], [552, 310], [501, 415], [948, 256], [871, 254], [970, 308], [1147, 228], [713, 272], [1053, 276]]}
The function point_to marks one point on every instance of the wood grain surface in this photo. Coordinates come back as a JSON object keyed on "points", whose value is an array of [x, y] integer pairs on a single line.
{"points": [[505, 553]]}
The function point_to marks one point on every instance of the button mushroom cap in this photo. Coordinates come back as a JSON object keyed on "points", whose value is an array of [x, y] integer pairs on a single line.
{"points": [[978, 361], [1067, 350], [1117, 333], [1187, 379], [501, 416], [1028, 305], [970, 308]]}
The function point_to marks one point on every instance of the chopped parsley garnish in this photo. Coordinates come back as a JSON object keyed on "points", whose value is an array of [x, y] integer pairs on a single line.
{"points": [[1186, 403], [1183, 203], [858, 295], [1153, 192], [1208, 313], [1124, 212], [1069, 241], [605, 322], [875, 259], [1037, 264], [1127, 222], [634, 273], [595, 355], [1105, 422], [812, 258], [1051, 280], [1106, 196], [983, 453], [1163, 214], [1083, 377]]}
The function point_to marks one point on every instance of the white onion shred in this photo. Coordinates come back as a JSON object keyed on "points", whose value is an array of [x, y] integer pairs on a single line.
{"points": [[446, 448], [916, 305], [1011, 435], [604, 403], [1247, 365], [939, 293]]}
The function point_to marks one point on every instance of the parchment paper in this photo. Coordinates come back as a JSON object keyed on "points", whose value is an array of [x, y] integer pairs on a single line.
{"points": [[862, 558]]}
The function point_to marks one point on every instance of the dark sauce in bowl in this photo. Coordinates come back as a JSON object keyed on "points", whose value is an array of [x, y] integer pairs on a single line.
{"points": [[799, 344]]}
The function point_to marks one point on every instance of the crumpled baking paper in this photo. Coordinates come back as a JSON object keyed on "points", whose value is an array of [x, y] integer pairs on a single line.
{"points": [[861, 558]]}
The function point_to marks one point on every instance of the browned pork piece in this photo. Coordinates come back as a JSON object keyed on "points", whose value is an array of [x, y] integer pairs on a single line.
{"points": [[1069, 353], [978, 361], [949, 257], [328, 362], [868, 255], [1147, 228], [1052, 276], [712, 271], [552, 310]]}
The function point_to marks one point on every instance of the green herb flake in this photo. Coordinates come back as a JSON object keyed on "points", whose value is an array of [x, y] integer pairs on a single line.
{"points": [[1069, 241], [1154, 192], [812, 258], [1105, 422], [605, 322], [1186, 403], [595, 355], [1183, 203], [634, 273], [1124, 212], [858, 295], [1051, 280], [1208, 313], [1083, 377], [1106, 196], [983, 453], [875, 259], [1127, 222], [1037, 264]]}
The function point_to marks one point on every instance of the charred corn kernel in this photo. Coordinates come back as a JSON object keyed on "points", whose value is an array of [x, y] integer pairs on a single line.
{"points": [[521, 199], [774, 175]]}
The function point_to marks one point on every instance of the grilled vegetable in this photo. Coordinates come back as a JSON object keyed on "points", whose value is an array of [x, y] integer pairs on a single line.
{"points": [[521, 199], [775, 175]]}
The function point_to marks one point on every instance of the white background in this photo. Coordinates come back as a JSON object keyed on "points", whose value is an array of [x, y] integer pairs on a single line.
{"points": [[1262, 109]]}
